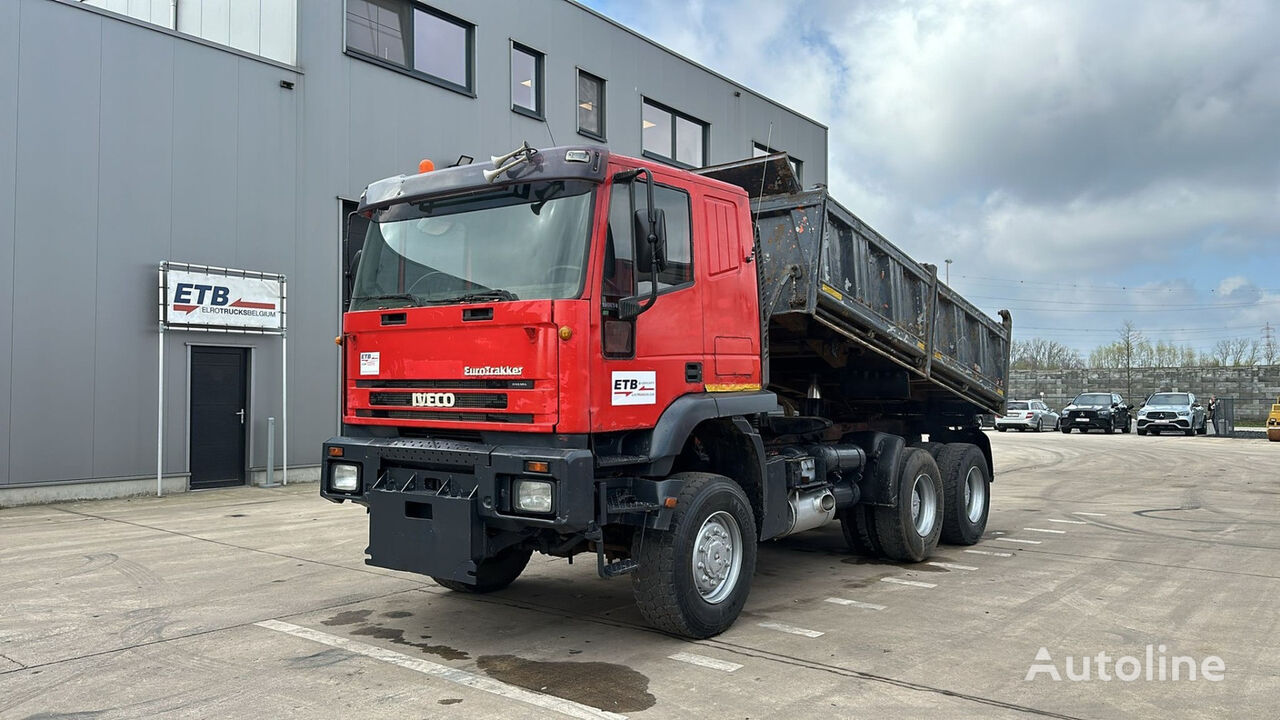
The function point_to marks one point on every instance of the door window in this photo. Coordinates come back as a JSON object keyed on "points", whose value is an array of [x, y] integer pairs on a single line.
{"points": [[620, 276]]}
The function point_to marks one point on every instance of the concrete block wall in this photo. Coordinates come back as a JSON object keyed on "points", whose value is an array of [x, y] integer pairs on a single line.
{"points": [[1254, 387]]}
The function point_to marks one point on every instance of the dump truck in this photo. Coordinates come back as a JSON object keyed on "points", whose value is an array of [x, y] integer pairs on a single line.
{"points": [[577, 353]]}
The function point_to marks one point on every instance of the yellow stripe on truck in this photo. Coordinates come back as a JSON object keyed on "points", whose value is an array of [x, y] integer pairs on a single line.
{"points": [[731, 387]]}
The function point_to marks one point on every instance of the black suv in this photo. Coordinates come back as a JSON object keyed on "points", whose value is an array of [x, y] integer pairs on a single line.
{"points": [[1096, 410]]}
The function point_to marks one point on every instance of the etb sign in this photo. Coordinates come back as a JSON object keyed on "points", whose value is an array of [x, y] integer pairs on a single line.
{"points": [[633, 388], [217, 299]]}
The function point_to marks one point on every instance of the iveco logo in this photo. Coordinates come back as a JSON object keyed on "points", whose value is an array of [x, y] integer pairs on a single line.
{"points": [[433, 399]]}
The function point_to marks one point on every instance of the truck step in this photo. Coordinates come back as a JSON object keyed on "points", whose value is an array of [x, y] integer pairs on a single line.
{"points": [[621, 567]]}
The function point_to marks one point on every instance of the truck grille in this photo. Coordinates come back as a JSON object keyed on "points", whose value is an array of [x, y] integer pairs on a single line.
{"points": [[487, 401]]}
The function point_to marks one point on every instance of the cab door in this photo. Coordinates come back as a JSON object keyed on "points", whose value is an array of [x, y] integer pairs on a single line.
{"points": [[732, 343], [650, 360]]}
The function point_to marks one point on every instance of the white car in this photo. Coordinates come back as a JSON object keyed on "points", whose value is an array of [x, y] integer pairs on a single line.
{"points": [[1027, 415]]}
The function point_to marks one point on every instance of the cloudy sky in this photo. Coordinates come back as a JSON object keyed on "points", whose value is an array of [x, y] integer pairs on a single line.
{"points": [[1082, 163]]}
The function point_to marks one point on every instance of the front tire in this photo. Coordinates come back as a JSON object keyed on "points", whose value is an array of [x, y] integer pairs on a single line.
{"points": [[693, 579], [492, 574], [1066, 429], [910, 531], [966, 489]]}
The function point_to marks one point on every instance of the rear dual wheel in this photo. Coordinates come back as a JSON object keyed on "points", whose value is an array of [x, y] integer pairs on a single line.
{"points": [[910, 531], [966, 485]]}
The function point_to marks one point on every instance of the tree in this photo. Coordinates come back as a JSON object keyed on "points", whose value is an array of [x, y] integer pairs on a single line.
{"points": [[1130, 340], [1236, 351], [1042, 354]]}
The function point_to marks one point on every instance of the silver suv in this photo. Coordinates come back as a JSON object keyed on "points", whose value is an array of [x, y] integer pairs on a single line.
{"points": [[1177, 411], [1027, 415]]}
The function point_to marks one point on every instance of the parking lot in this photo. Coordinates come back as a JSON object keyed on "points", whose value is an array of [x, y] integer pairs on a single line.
{"points": [[256, 603]]}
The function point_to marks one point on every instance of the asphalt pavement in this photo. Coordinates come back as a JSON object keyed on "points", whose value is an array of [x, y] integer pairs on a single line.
{"points": [[256, 602]]}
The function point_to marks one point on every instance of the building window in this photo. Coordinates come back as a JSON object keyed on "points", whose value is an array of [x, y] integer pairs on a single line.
{"points": [[673, 136], [590, 105], [526, 80], [377, 28], [430, 44], [760, 150]]}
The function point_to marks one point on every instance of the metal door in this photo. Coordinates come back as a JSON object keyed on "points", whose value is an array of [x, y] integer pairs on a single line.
{"points": [[219, 405]]}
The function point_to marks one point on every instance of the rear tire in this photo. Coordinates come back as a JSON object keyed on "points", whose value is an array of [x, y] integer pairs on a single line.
{"points": [[859, 526], [933, 448], [1040, 425], [910, 531], [966, 489], [492, 574], [713, 530]]}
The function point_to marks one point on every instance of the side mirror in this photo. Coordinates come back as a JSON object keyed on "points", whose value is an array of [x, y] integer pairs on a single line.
{"points": [[651, 256]]}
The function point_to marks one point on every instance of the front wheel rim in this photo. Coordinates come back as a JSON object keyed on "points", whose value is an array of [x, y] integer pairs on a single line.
{"points": [[717, 557], [975, 495], [924, 504]]}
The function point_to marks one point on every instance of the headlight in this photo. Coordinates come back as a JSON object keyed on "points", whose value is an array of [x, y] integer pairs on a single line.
{"points": [[1142, 413], [345, 477], [533, 496], [1183, 413], [1104, 411]]}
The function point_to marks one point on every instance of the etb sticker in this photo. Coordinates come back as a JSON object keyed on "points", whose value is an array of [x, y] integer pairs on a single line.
{"points": [[369, 363], [634, 388]]}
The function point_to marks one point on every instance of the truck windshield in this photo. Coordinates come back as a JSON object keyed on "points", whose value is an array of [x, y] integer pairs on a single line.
{"points": [[523, 242]]}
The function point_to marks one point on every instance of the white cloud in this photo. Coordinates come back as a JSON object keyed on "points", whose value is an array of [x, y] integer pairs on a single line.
{"points": [[1078, 139]]}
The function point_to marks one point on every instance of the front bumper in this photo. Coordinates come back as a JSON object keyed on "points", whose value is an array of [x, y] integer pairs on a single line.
{"points": [[1090, 421], [1162, 423], [439, 507]]}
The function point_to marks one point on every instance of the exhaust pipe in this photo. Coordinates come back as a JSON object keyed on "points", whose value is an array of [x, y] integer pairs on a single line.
{"points": [[808, 510]]}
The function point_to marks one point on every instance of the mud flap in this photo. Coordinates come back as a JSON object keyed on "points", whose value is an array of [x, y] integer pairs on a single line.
{"points": [[424, 533]]}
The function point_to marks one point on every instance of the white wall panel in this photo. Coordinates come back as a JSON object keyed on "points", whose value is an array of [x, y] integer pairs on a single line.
{"points": [[156, 12], [246, 25], [215, 21], [280, 30]]}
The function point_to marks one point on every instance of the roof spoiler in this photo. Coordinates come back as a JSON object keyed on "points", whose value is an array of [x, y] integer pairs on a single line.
{"points": [[760, 177]]}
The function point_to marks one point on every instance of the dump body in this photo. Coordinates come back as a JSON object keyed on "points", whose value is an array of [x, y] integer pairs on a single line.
{"points": [[826, 273]]}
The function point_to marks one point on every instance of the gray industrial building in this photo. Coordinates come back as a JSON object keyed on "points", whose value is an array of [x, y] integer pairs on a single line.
{"points": [[237, 133]]}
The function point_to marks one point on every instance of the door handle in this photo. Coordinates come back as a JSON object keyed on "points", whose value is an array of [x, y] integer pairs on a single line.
{"points": [[241, 414]]}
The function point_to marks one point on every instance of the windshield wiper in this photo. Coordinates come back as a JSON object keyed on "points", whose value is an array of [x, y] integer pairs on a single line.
{"points": [[408, 297], [480, 297]]}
